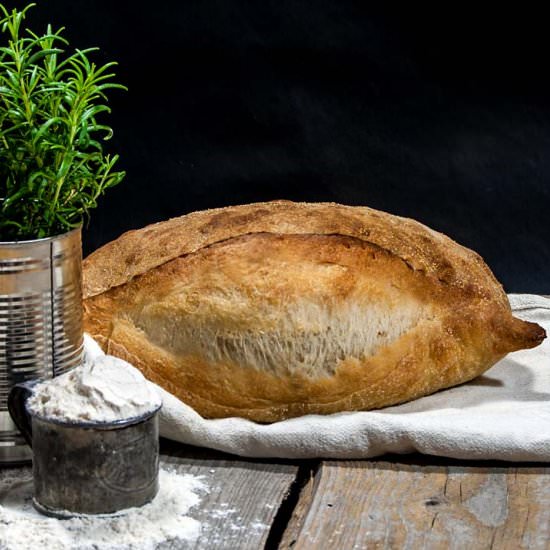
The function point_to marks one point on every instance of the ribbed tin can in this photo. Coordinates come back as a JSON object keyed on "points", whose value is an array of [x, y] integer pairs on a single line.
{"points": [[40, 320]]}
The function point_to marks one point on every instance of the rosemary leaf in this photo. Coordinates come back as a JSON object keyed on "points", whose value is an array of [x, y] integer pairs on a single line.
{"points": [[52, 164]]}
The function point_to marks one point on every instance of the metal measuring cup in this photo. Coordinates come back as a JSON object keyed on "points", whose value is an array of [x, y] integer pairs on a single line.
{"points": [[88, 467]]}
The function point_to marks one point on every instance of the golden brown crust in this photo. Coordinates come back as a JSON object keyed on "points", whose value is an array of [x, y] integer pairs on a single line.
{"points": [[138, 251], [257, 310]]}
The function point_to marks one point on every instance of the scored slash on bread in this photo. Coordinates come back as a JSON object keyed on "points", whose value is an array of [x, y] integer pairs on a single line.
{"points": [[275, 310]]}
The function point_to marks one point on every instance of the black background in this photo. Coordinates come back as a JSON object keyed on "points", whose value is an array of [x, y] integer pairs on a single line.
{"points": [[443, 116]]}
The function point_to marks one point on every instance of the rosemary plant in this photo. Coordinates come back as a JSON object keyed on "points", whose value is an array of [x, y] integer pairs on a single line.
{"points": [[52, 164]]}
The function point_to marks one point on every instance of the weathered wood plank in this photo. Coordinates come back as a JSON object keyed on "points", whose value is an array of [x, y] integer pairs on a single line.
{"points": [[241, 501], [354, 505]]}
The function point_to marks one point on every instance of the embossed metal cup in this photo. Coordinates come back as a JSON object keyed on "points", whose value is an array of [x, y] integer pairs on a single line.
{"points": [[40, 320], [88, 467]]}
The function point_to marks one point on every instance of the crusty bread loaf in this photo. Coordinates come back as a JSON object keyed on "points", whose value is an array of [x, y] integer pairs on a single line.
{"points": [[274, 310]]}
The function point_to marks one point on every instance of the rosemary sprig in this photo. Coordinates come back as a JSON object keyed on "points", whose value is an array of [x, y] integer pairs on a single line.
{"points": [[52, 165]]}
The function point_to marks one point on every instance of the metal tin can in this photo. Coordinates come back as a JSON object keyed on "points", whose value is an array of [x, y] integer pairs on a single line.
{"points": [[40, 320]]}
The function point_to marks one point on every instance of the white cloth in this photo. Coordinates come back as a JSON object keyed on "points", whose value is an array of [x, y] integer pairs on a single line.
{"points": [[504, 414]]}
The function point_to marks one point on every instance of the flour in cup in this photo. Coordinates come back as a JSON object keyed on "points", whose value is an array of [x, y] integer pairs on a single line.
{"points": [[103, 389]]}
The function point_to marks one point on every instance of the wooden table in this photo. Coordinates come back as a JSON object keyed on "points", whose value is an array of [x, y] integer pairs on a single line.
{"points": [[398, 501]]}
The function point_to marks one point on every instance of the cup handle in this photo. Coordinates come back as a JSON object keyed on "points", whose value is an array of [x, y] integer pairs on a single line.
{"points": [[17, 407]]}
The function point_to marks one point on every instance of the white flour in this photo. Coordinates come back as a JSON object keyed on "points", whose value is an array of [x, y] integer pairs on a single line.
{"points": [[163, 519], [104, 388]]}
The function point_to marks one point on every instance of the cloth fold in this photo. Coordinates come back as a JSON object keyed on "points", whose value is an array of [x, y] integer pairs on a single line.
{"points": [[503, 414]]}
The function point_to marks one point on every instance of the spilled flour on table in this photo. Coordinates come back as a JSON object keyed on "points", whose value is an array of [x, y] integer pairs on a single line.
{"points": [[163, 519]]}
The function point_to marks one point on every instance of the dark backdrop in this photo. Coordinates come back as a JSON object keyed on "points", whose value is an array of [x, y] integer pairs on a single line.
{"points": [[443, 116]]}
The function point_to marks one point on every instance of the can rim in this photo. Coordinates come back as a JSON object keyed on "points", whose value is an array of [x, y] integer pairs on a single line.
{"points": [[42, 239]]}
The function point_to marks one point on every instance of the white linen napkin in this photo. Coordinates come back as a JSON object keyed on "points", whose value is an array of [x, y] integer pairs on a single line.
{"points": [[503, 414]]}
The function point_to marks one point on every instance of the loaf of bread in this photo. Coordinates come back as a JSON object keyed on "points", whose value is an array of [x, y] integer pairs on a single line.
{"points": [[274, 310]]}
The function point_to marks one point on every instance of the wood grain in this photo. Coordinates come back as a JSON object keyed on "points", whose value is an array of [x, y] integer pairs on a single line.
{"points": [[371, 505], [240, 503]]}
